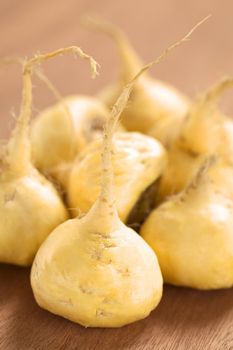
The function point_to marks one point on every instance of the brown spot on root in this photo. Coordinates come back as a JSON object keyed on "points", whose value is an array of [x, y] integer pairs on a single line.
{"points": [[109, 244], [95, 126], [102, 313], [123, 272], [191, 153], [105, 240], [108, 300], [104, 200], [90, 290], [9, 196], [96, 255], [101, 235], [86, 290], [66, 302]]}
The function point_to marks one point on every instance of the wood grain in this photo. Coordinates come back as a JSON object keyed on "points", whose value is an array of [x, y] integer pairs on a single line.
{"points": [[185, 318]]}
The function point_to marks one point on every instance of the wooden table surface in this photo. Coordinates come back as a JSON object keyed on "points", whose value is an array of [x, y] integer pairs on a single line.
{"points": [[185, 318]]}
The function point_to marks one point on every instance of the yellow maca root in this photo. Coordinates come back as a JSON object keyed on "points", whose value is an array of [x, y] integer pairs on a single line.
{"points": [[157, 108], [205, 131], [191, 233], [69, 126], [30, 207], [19, 142], [201, 131], [69, 133], [95, 270], [138, 162]]}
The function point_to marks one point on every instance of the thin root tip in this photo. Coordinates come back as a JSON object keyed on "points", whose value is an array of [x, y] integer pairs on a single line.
{"points": [[95, 69]]}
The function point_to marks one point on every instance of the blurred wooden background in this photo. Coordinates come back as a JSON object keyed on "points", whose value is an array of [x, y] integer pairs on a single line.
{"points": [[31, 26]]}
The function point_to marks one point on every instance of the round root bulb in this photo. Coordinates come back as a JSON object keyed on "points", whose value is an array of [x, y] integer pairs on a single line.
{"points": [[95, 270], [195, 226], [138, 162], [69, 133], [19, 145], [68, 126], [30, 207], [205, 131]]}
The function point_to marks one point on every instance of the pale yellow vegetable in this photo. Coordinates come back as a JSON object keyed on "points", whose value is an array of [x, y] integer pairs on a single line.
{"points": [[65, 129], [205, 131], [156, 108], [95, 270], [192, 232], [30, 207], [138, 162]]}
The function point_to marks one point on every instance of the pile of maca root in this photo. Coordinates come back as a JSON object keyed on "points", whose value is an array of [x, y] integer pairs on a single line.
{"points": [[141, 157]]}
